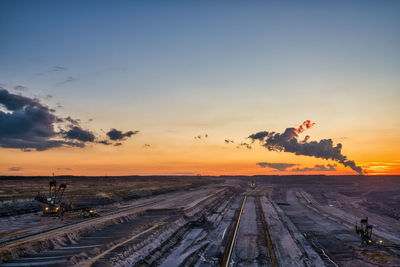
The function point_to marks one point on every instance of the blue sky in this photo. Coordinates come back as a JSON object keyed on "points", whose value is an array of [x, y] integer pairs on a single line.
{"points": [[227, 67]]}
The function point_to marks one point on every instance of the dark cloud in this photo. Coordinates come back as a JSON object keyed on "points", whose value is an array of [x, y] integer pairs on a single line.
{"points": [[104, 142], [53, 69], [324, 168], [327, 167], [306, 138], [276, 166], [288, 142], [228, 141], [259, 136], [75, 122], [77, 133], [199, 137], [15, 169], [69, 79], [246, 145], [115, 134], [118, 144], [14, 102], [27, 124]]}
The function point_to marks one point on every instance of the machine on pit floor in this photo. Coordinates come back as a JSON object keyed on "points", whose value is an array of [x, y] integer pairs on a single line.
{"points": [[364, 230], [54, 204]]}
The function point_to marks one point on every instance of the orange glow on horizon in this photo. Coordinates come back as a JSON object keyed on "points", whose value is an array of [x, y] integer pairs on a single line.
{"points": [[183, 156], [211, 169]]}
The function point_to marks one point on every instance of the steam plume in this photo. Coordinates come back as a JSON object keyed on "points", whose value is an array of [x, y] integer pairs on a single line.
{"points": [[288, 141]]}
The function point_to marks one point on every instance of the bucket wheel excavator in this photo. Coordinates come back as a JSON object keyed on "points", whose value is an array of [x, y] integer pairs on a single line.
{"points": [[53, 201]]}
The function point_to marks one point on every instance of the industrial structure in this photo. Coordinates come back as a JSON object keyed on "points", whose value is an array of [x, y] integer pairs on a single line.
{"points": [[365, 231], [54, 204], [53, 201]]}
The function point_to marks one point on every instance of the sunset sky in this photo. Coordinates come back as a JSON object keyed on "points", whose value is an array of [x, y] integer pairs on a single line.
{"points": [[185, 83]]}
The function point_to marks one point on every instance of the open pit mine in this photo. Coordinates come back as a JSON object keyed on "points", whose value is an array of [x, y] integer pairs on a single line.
{"points": [[200, 221]]}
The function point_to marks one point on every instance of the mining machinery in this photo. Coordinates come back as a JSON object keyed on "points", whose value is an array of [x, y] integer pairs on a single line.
{"points": [[53, 201], [364, 230], [54, 206]]}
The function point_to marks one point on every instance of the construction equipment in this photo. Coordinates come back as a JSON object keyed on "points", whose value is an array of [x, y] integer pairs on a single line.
{"points": [[253, 184], [87, 213], [365, 231], [54, 205]]}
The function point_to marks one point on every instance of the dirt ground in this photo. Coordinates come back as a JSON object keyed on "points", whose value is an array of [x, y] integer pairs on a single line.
{"points": [[190, 221]]}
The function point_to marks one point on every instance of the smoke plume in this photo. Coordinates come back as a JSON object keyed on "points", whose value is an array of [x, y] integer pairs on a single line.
{"points": [[288, 141]]}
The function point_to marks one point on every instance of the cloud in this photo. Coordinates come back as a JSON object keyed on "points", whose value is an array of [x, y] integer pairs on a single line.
{"points": [[324, 168], [146, 145], [53, 69], [115, 134], [15, 169], [14, 102], [228, 141], [104, 142], [288, 142], [259, 136], [77, 133], [276, 166], [246, 145], [199, 137], [72, 121], [68, 80], [27, 124], [287, 166]]}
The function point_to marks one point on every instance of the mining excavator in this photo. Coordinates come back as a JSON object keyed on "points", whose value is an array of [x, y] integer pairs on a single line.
{"points": [[53, 201], [364, 230], [54, 206]]}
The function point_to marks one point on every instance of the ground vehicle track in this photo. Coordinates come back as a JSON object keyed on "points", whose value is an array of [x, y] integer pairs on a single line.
{"points": [[232, 239], [271, 251], [226, 260]]}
